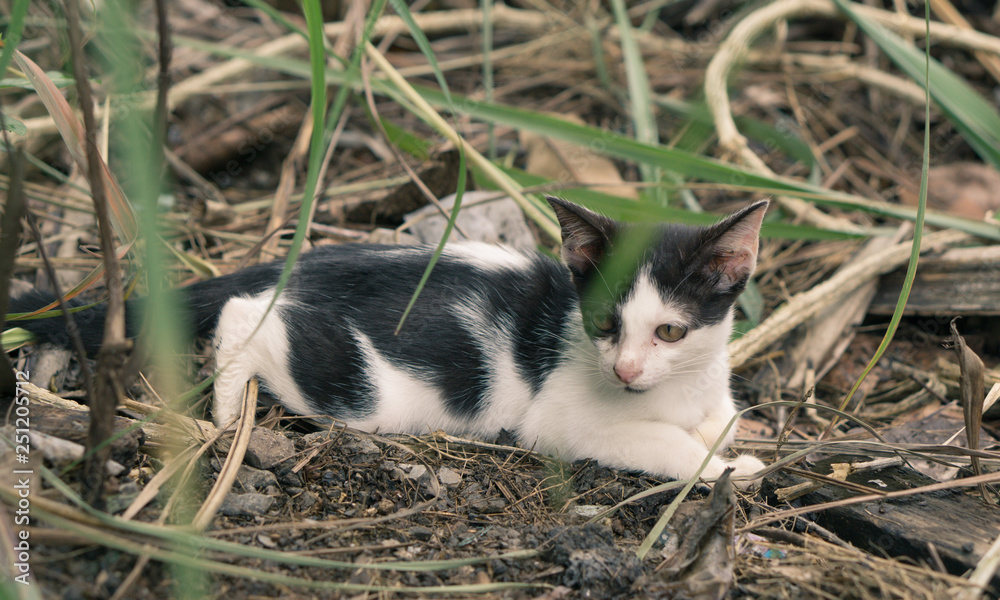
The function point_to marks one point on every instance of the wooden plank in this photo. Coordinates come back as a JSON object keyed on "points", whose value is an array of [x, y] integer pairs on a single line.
{"points": [[962, 281], [960, 525]]}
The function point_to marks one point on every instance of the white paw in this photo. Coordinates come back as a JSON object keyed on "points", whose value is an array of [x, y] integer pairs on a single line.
{"points": [[745, 466], [709, 431]]}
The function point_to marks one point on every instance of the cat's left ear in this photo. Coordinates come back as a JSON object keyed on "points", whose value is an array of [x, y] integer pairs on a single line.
{"points": [[733, 246]]}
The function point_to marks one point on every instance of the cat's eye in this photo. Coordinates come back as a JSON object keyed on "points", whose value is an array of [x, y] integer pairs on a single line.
{"points": [[671, 333], [604, 322]]}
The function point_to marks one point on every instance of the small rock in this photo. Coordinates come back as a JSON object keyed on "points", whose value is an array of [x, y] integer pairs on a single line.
{"points": [[425, 478], [316, 437], [449, 477], [419, 473], [306, 500], [246, 505], [288, 477], [495, 221], [255, 479], [420, 532], [268, 448], [588, 511], [385, 506], [361, 450], [393, 470]]}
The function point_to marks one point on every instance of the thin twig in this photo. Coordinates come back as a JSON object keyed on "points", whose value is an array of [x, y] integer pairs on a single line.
{"points": [[110, 361]]}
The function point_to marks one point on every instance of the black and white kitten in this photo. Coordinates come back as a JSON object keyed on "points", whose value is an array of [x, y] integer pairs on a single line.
{"points": [[636, 375]]}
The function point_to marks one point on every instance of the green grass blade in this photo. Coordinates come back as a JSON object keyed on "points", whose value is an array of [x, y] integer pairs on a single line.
{"points": [[911, 268], [15, 25], [640, 98], [974, 116], [322, 126], [14, 338], [625, 209], [405, 140], [459, 192], [423, 43], [788, 142]]}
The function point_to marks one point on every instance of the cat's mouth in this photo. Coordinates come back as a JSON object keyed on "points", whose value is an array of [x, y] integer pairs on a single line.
{"points": [[634, 390]]}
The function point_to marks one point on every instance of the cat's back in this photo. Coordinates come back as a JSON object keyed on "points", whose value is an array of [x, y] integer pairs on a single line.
{"points": [[488, 320], [486, 275]]}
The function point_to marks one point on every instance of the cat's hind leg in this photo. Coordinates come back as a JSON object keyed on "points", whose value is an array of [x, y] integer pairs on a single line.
{"points": [[251, 341], [235, 357]]}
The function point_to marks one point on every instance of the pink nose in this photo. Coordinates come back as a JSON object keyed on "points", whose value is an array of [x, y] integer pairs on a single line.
{"points": [[627, 375]]}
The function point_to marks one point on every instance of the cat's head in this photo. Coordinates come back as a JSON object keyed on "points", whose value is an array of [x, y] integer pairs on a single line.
{"points": [[657, 300]]}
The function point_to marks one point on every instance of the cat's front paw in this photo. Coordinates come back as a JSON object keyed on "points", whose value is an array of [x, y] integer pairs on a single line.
{"points": [[745, 466]]}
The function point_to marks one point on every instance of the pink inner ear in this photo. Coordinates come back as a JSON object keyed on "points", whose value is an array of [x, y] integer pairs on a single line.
{"points": [[735, 256], [733, 267], [583, 240], [582, 253]]}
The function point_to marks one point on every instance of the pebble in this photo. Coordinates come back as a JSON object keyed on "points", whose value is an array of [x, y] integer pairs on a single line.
{"points": [[255, 479], [268, 448], [449, 477], [420, 532], [588, 511], [306, 500], [424, 477], [419, 473], [495, 222], [385, 506], [246, 505]]}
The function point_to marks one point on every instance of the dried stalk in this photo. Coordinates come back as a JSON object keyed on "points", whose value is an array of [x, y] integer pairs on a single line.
{"points": [[731, 141], [244, 427], [10, 238], [108, 382], [805, 305]]}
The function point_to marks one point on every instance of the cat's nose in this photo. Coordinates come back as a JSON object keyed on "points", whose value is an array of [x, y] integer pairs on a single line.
{"points": [[626, 374]]}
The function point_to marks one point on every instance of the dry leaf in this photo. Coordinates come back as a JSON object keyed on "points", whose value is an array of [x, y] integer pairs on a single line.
{"points": [[972, 385], [965, 189], [571, 163]]}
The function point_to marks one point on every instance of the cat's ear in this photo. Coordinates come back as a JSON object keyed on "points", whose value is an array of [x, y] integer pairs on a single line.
{"points": [[586, 235], [733, 242]]}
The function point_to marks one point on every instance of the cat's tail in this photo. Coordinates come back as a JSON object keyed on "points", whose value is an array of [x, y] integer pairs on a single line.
{"points": [[52, 329], [198, 307]]}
